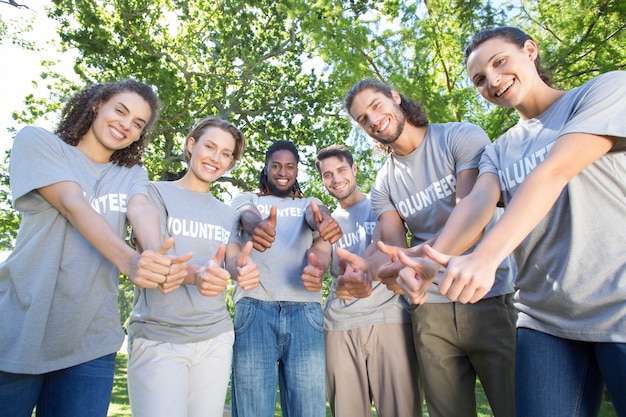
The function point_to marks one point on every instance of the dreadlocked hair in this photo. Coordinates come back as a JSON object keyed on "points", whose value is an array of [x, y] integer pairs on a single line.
{"points": [[81, 110], [279, 145]]}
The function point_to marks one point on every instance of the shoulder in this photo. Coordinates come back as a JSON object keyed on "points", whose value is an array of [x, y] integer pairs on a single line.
{"points": [[37, 137]]}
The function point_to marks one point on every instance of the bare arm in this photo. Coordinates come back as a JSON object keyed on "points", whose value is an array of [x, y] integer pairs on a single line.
{"points": [[469, 277], [318, 257], [262, 231], [67, 197]]}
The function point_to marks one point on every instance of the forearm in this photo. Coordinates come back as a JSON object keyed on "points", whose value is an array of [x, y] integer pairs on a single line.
{"points": [[250, 218], [145, 220], [322, 251], [469, 218], [95, 229], [533, 200]]}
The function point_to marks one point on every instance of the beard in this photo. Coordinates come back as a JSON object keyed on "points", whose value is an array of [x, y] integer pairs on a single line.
{"points": [[345, 195], [393, 135], [279, 192]]}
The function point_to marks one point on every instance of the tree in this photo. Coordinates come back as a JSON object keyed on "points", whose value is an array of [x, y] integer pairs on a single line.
{"points": [[280, 69]]}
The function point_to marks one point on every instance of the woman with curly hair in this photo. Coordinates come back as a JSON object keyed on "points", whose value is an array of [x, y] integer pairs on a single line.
{"points": [[76, 190]]}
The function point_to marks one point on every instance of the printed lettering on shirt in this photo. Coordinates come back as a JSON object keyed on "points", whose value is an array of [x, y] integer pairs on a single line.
{"points": [[513, 175], [422, 199], [112, 202], [363, 233], [264, 209], [196, 229]]}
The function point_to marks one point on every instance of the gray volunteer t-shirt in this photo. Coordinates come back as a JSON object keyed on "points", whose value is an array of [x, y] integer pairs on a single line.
{"points": [[58, 294], [199, 223], [382, 306], [572, 266], [421, 186], [281, 265]]}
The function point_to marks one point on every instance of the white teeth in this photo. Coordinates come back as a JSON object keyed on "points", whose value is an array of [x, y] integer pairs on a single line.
{"points": [[117, 134], [503, 89], [381, 128]]}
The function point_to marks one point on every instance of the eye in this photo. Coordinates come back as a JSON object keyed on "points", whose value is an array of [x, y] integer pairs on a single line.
{"points": [[478, 81], [498, 62], [138, 125], [227, 155]]}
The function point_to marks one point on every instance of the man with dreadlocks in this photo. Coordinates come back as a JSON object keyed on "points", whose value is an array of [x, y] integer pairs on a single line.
{"points": [[279, 324]]}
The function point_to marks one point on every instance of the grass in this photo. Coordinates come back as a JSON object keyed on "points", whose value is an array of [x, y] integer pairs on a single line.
{"points": [[119, 401]]}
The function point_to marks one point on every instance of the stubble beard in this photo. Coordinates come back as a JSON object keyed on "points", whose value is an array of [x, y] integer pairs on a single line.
{"points": [[400, 120], [279, 192]]}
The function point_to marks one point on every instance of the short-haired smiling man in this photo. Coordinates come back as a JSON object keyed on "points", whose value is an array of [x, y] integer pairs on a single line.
{"points": [[367, 328]]}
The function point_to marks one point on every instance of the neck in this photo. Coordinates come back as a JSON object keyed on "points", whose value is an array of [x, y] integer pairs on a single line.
{"points": [[410, 139], [191, 182], [541, 100], [354, 198]]}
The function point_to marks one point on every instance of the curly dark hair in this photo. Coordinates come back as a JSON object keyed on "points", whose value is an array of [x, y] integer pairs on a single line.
{"points": [[279, 145], [414, 112], [80, 112], [509, 34]]}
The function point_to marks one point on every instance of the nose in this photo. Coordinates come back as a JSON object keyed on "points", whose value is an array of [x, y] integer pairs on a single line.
{"points": [[215, 156], [494, 79], [126, 122], [374, 121]]}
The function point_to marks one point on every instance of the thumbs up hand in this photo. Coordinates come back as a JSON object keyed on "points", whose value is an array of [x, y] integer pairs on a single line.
{"points": [[328, 227], [264, 233], [247, 272], [212, 278], [313, 273]]}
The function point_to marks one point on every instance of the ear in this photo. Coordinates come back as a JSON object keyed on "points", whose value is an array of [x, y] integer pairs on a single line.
{"points": [[354, 169], [396, 97], [531, 49], [190, 143]]}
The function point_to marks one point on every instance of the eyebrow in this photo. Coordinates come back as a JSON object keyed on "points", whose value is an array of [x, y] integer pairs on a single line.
{"points": [[126, 108], [222, 149], [371, 103]]}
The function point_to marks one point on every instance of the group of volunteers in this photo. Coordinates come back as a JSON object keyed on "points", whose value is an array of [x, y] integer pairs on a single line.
{"points": [[468, 259]]}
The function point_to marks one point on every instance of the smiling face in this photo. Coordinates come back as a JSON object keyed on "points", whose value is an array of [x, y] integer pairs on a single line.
{"points": [[281, 169], [339, 178], [503, 73], [211, 154], [118, 123], [378, 115]]}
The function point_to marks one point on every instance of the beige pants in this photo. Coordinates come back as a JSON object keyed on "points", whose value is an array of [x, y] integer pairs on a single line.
{"points": [[372, 364]]}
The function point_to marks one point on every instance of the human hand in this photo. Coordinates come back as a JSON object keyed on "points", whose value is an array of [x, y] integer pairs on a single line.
{"points": [[466, 278], [354, 274], [416, 277], [212, 279], [388, 272], [313, 273], [327, 227], [264, 233], [248, 276], [155, 269]]}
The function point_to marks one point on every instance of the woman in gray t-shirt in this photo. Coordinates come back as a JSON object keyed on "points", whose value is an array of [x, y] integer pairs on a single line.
{"points": [[561, 173], [180, 343], [76, 190]]}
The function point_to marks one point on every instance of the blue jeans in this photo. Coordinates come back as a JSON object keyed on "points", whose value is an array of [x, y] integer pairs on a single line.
{"points": [[277, 341], [560, 377], [78, 391]]}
